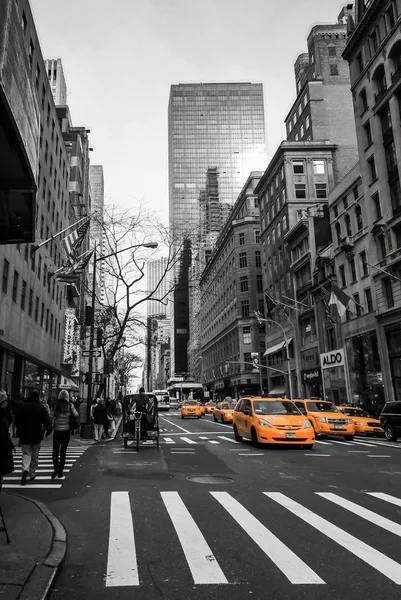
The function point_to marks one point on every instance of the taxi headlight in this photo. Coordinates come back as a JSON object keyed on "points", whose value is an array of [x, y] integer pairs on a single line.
{"points": [[265, 423], [322, 419], [306, 424], [362, 423], [348, 421]]}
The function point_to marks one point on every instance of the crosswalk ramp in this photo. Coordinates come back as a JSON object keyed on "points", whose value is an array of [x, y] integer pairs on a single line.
{"points": [[44, 471], [279, 537]]}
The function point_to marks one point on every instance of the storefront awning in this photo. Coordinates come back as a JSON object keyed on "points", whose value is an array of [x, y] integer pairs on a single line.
{"points": [[277, 391], [276, 348], [68, 384]]}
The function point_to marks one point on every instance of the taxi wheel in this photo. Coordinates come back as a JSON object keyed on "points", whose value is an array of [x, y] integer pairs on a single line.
{"points": [[214, 418], [349, 438], [308, 446], [182, 416], [238, 438], [254, 437]]}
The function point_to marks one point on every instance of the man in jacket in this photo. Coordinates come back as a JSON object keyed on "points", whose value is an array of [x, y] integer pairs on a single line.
{"points": [[99, 419], [30, 421]]}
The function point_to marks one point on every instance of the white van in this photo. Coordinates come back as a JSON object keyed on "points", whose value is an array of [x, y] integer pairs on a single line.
{"points": [[163, 399]]}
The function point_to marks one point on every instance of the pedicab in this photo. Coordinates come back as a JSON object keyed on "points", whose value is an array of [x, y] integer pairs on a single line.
{"points": [[140, 423]]}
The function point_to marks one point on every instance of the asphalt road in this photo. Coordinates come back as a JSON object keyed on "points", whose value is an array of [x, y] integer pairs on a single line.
{"points": [[280, 524]]}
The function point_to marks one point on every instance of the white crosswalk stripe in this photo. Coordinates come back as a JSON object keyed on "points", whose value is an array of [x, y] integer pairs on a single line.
{"points": [[124, 560], [44, 470]]}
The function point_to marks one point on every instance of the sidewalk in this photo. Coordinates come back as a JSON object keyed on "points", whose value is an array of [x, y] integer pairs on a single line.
{"points": [[30, 563]]}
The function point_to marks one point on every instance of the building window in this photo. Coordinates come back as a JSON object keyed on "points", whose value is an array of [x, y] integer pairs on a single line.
{"points": [[368, 134], [24, 22], [259, 283], [391, 16], [364, 264], [391, 159], [343, 278], [245, 308], [42, 316], [388, 292], [333, 69], [241, 239], [319, 167], [300, 190], [376, 204], [30, 302], [363, 101], [395, 193], [37, 76], [321, 190], [244, 284], [359, 218], [285, 223], [338, 233], [359, 62], [397, 231], [15, 286], [37, 309], [51, 325], [357, 305], [368, 299], [31, 52], [332, 51], [352, 269], [348, 228], [6, 270], [372, 169], [335, 211], [47, 319], [242, 260], [23, 295], [246, 335], [381, 246], [40, 267], [258, 260], [257, 237], [298, 167]]}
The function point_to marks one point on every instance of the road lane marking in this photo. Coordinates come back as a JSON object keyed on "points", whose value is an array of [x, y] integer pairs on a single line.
{"points": [[213, 442], [189, 452], [363, 444], [287, 561], [378, 444], [168, 440], [386, 497], [188, 440], [342, 443], [321, 442], [203, 437], [250, 454], [379, 561], [195, 433], [359, 451], [122, 567], [31, 486], [175, 425], [203, 565], [379, 456], [223, 437], [362, 512], [311, 454]]}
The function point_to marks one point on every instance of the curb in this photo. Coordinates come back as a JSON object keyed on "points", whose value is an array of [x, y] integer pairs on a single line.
{"points": [[42, 576]]}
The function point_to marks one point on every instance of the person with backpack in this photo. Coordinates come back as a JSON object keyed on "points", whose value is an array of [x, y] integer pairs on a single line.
{"points": [[63, 423]]}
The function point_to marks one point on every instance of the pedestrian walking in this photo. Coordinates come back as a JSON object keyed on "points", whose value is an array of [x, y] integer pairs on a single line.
{"points": [[6, 444], [31, 421], [99, 413], [62, 412], [83, 407]]}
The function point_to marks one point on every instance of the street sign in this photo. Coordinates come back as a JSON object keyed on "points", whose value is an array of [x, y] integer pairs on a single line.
{"points": [[88, 353]]}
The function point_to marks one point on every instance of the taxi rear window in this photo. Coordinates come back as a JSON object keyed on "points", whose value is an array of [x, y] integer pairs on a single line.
{"points": [[189, 403], [229, 405], [355, 412], [263, 407], [321, 407]]}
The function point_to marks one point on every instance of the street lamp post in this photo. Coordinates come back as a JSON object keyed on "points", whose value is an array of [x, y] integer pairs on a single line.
{"points": [[87, 433], [287, 355]]}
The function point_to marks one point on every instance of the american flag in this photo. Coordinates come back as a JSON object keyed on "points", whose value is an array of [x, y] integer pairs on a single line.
{"points": [[75, 238], [73, 271]]}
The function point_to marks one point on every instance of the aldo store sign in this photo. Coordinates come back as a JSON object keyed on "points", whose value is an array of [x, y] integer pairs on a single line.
{"points": [[332, 359]]}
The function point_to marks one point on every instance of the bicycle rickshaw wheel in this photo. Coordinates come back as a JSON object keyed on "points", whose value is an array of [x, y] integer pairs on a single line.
{"points": [[137, 436]]}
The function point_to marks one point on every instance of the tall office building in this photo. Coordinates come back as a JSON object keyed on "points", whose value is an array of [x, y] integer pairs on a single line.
{"points": [[55, 75], [211, 125], [156, 280]]}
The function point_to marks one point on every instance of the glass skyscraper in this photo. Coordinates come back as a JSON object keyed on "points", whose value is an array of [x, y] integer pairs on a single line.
{"points": [[210, 126]]}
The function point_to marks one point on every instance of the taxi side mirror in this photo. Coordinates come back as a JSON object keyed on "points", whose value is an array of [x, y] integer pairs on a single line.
{"points": [[247, 411]]}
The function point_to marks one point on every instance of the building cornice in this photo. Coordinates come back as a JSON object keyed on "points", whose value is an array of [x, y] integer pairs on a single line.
{"points": [[362, 28]]}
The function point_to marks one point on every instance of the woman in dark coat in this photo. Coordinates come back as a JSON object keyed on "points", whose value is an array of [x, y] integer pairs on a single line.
{"points": [[6, 445]]}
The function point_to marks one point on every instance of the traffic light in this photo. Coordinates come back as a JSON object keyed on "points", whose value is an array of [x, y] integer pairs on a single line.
{"points": [[99, 337], [88, 315]]}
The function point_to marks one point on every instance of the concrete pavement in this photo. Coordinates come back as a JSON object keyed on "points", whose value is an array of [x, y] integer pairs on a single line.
{"points": [[38, 543]]}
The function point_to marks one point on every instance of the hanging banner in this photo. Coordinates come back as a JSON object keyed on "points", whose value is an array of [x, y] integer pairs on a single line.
{"points": [[76, 360], [69, 336], [255, 362]]}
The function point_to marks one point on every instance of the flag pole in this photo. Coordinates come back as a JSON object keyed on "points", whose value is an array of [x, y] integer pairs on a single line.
{"points": [[50, 275], [56, 235]]}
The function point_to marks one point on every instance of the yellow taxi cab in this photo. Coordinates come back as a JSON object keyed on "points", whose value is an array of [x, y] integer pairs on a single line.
{"points": [[191, 408], [224, 411], [210, 406], [326, 418], [363, 422], [203, 409], [272, 421]]}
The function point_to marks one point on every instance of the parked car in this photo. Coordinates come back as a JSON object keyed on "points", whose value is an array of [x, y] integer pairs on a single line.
{"points": [[390, 419]]}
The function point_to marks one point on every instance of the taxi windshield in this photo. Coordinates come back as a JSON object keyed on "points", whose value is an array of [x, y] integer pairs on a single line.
{"points": [[322, 407], [269, 407], [356, 412], [228, 405], [191, 403]]}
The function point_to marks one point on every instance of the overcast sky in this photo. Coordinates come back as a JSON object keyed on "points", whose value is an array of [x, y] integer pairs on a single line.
{"points": [[121, 56]]}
